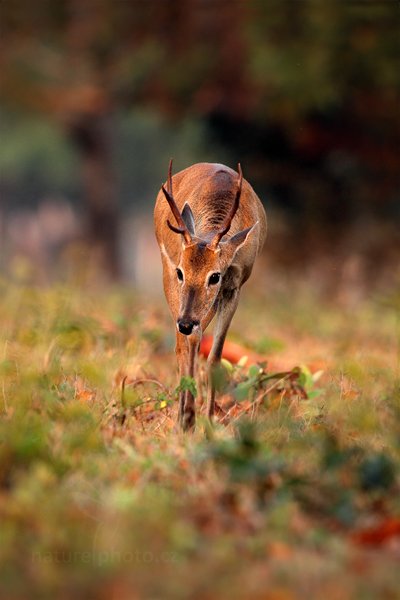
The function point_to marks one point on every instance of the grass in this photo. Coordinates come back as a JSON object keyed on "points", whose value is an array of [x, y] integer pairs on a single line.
{"points": [[295, 493]]}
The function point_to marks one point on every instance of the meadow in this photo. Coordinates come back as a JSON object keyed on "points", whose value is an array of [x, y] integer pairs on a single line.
{"points": [[294, 493]]}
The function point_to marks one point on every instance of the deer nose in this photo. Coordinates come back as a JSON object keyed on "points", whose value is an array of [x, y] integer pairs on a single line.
{"points": [[186, 327]]}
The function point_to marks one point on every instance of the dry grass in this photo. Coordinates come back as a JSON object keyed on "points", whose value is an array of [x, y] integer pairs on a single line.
{"points": [[294, 494]]}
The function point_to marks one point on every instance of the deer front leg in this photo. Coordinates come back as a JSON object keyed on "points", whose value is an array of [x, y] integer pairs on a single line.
{"points": [[181, 351], [186, 349], [226, 309], [189, 409]]}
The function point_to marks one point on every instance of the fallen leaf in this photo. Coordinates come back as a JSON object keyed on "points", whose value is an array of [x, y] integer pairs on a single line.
{"points": [[378, 534], [232, 351]]}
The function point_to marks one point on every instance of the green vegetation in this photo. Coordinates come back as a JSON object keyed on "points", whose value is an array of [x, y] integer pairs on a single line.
{"points": [[295, 492]]}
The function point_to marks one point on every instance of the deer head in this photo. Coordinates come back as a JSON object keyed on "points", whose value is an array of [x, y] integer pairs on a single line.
{"points": [[203, 263]]}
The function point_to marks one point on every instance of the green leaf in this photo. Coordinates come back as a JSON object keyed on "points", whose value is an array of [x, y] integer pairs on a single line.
{"points": [[314, 394], [242, 362], [187, 384], [242, 390], [305, 377], [228, 365], [254, 370]]}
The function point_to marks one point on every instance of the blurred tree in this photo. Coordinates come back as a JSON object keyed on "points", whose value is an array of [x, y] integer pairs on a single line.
{"points": [[304, 93]]}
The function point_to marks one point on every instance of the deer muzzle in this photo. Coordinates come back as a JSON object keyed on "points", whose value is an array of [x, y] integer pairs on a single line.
{"points": [[187, 326]]}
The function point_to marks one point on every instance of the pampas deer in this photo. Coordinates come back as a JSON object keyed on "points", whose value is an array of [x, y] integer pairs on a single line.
{"points": [[204, 267]]}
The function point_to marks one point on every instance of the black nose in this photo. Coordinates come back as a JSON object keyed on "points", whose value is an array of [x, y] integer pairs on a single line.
{"points": [[186, 327]]}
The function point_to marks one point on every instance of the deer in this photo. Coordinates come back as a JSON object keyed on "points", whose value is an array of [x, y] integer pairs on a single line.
{"points": [[208, 251]]}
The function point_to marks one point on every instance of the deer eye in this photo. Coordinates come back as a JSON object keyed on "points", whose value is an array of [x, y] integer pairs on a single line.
{"points": [[214, 278], [179, 274]]}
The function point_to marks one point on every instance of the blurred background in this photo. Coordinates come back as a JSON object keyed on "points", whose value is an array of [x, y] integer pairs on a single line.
{"points": [[96, 96]]}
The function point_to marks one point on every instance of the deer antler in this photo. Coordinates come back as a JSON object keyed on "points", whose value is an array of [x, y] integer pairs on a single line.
{"points": [[182, 229], [227, 224]]}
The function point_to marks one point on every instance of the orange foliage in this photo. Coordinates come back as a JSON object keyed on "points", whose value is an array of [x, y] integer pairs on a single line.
{"points": [[232, 351], [378, 534]]}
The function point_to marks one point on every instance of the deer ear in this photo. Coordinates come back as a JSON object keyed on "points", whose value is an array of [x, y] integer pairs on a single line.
{"points": [[188, 218], [239, 239]]}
